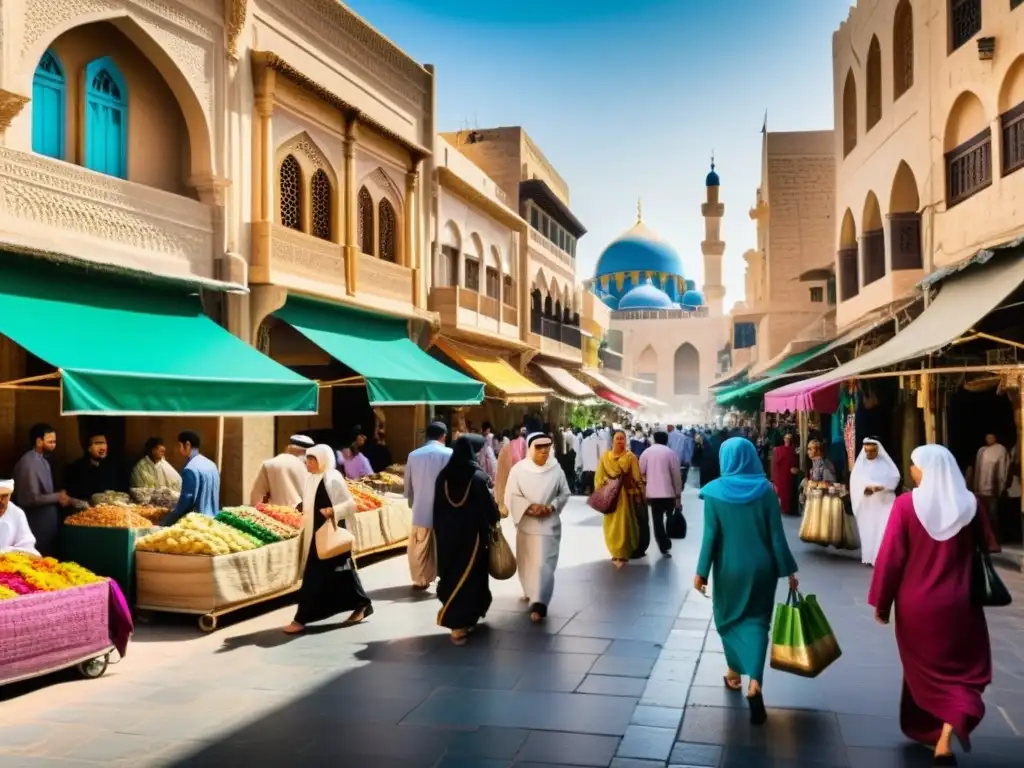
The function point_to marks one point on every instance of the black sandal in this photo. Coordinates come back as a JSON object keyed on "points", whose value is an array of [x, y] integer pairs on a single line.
{"points": [[758, 714]]}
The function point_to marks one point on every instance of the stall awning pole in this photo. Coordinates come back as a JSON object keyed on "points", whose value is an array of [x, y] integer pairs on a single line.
{"points": [[220, 443]]}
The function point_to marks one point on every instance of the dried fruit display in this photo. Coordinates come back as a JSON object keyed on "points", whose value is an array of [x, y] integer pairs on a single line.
{"points": [[197, 534], [366, 499], [276, 528], [287, 515], [108, 516]]}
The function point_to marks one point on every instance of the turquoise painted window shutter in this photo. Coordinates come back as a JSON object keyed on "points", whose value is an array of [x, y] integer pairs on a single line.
{"points": [[48, 95], [106, 119]]}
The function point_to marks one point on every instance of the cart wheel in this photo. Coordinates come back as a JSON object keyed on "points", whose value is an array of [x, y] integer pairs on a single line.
{"points": [[208, 622], [94, 668]]}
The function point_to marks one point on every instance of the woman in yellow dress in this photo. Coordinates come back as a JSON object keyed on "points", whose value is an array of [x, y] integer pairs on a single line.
{"points": [[621, 529]]}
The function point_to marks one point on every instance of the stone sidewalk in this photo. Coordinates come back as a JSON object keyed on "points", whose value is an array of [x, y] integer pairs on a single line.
{"points": [[625, 673]]}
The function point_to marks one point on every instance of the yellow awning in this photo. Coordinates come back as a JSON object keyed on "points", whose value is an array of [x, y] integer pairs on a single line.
{"points": [[495, 372]]}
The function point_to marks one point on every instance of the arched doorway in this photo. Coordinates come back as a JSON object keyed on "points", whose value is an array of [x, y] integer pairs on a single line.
{"points": [[872, 241], [647, 369], [848, 267], [686, 369]]}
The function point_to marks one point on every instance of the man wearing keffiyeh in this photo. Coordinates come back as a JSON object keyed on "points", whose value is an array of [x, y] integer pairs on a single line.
{"points": [[15, 535]]}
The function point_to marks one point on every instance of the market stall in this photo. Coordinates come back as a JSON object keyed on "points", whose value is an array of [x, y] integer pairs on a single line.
{"points": [[57, 615]]}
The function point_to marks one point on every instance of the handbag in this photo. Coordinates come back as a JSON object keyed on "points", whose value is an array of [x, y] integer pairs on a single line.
{"points": [[606, 498], [803, 643], [501, 562], [676, 525], [332, 541], [987, 589]]}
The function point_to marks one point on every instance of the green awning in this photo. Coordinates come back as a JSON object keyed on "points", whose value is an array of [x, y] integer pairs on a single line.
{"points": [[128, 347], [756, 388], [379, 349]]}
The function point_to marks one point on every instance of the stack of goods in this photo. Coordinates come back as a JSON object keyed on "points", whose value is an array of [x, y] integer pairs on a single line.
{"points": [[22, 574], [110, 499], [827, 521], [197, 534], [107, 516], [388, 481], [366, 498], [257, 524], [396, 469], [163, 498], [287, 515]]}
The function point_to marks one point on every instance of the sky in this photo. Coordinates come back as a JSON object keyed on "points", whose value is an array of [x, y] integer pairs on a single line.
{"points": [[629, 98]]}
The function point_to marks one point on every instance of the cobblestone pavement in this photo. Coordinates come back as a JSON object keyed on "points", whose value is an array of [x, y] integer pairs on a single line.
{"points": [[625, 674]]}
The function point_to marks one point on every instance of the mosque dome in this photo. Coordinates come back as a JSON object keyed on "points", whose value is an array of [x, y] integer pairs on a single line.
{"points": [[711, 180], [639, 250], [692, 298], [690, 285], [646, 296]]}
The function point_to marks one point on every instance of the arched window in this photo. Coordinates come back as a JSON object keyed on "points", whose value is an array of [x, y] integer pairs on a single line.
{"points": [[388, 248], [365, 221], [902, 49], [849, 114], [508, 295], [320, 203], [290, 193], [106, 119], [687, 370], [874, 89], [48, 95]]}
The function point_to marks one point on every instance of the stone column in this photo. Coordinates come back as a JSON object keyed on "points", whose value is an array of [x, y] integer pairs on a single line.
{"points": [[350, 193], [264, 150], [411, 252]]}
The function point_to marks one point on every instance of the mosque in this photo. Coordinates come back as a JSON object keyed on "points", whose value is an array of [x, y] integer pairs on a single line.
{"points": [[672, 334]]}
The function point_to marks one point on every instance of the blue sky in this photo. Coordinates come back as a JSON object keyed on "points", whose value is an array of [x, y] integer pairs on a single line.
{"points": [[628, 98]]}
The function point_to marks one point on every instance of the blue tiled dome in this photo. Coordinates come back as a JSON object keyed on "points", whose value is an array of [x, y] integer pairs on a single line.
{"points": [[690, 285], [639, 250], [646, 296], [692, 298], [711, 180]]}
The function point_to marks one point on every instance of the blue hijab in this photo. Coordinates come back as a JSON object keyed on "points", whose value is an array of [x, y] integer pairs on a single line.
{"points": [[742, 479]]}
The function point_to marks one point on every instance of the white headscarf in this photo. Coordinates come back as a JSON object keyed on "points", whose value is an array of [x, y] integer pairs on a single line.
{"points": [[7, 486], [325, 460], [533, 442], [942, 502], [881, 471]]}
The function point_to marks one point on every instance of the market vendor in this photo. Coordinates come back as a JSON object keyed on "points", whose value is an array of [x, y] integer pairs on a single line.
{"points": [[36, 494], [15, 535], [153, 470], [200, 482], [95, 472]]}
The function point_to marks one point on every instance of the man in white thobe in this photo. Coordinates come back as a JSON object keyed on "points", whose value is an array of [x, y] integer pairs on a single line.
{"points": [[991, 477], [873, 485], [281, 479], [421, 471], [587, 459], [15, 535]]}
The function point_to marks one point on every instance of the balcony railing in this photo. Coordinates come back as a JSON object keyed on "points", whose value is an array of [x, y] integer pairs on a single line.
{"points": [[873, 246], [447, 301], [969, 168], [563, 257], [659, 314], [905, 232], [610, 360], [556, 331]]}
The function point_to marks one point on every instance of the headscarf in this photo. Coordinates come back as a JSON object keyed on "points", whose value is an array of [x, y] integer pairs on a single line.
{"points": [[942, 501], [534, 441], [742, 479], [866, 472], [325, 460], [462, 465], [6, 486]]}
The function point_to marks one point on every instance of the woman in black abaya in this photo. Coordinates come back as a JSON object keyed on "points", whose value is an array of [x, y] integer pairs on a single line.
{"points": [[465, 513], [328, 586]]}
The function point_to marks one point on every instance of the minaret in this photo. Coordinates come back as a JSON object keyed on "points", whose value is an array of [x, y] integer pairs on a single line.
{"points": [[713, 247]]}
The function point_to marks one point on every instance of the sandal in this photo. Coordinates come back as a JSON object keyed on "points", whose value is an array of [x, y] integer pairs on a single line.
{"points": [[364, 613], [458, 637], [733, 683], [294, 628]]}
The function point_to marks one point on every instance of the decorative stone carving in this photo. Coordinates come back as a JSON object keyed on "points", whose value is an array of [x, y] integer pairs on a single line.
{"points": [[384, 279], [11, 105], [302, 254], [235, 13], [387, 187], [56, 203]]}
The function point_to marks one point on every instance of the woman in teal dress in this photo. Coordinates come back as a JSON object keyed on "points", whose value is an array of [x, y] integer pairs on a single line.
{"points": [[746, 553]]}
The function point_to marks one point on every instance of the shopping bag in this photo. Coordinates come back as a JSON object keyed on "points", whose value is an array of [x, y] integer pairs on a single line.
{"points": [[812, 529], [802, 640], [606, 498], [501, 562], [676, 525]]}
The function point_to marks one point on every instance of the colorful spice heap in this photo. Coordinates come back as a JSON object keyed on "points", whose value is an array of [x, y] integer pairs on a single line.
{"points": [[286, 515], [240, 523], [22, 574], [279, 530], [366, 499], [197, 534], [107, 516]]}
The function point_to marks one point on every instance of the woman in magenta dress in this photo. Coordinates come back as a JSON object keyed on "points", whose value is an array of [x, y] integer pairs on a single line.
{"points": [[924, 566], [785, 465]]}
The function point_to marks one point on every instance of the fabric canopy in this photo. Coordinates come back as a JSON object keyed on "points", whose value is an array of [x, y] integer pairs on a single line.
{"points": [[736, 378], [770, 377], [127, 347], [612, 392], [379, 349], [495, 371], [964, 300], [565, 382]]}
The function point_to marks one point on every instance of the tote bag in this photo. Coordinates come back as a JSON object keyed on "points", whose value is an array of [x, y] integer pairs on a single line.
{"points": [[501, 563], [606, 498], [802, 641], [332, 541]]}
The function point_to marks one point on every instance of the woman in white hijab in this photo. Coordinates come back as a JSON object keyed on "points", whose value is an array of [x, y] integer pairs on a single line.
{"points": [[925, 567], [535, 494], [328, 586]]}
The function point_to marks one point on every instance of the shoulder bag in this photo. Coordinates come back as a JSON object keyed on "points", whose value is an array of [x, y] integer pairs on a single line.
{"points": [[332, 541], [987, 589], [501, 562], [606, 498]]}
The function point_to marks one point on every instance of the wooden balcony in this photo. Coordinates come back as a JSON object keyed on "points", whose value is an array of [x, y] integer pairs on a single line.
{"points": [[555, 339], [55, 207], [291, 259], [464, 310], [381, 280]]}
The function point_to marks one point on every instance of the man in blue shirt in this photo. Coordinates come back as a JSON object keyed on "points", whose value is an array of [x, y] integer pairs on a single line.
{"points": [[421, 471], [200, 482]]}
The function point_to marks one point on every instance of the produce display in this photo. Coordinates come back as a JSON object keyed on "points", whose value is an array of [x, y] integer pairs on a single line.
{"points": [[366, 499], [197, 534], [163, 498], [110, 498], [390, 478], [396, 469], [107, 516], [286, 515], [23, 574], [255, 523]]}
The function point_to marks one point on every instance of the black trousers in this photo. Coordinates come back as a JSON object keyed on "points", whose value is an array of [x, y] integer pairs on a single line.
{"points": [[660, 510], [587, 481]]}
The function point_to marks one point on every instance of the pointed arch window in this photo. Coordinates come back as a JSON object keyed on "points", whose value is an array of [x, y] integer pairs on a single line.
{"points": [[290, 181], [106, 119], [387, 224], [365, 221], [48, 97], [320, 204]]}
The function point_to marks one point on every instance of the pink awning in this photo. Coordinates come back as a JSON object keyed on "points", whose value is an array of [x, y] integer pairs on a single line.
{"points": [[818, 394]]}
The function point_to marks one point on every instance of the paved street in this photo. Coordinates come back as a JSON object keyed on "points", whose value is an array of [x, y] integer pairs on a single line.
{"points": [[626, 673]]}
